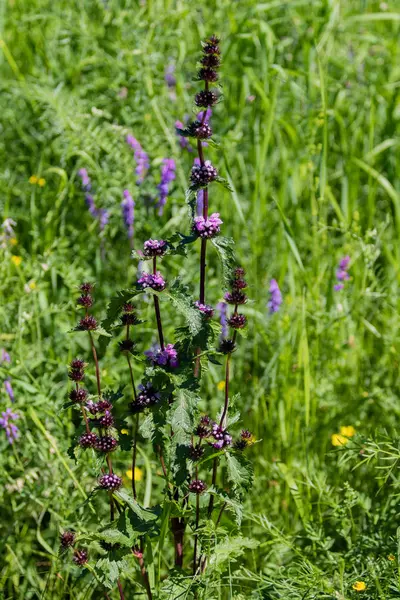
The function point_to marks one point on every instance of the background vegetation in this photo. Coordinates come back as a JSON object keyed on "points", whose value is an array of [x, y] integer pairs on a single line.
{"points": [[308, 127]]}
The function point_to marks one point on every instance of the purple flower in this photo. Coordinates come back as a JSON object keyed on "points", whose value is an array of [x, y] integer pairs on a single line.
{"points": [[221, 437], [154, 281], [167, 175], [152, 248], [169, 75], [9, 389], [207, 117], [207, 228], [4, 356], [342, 274], [147, 396], [141, 158], [165, 358], [183, 141], [86, 183], [12, 431], [222, 308], [275, 299], [203, 174], [206, 309], [128, 212]]}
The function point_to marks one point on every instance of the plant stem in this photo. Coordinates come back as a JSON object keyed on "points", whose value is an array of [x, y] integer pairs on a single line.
{"points": [[157, 310], [121, 593], [145, 576], [220, 514], [213, 482], [226, 404], [134, 454], [96, 362], [196, 528], [131, 373]]}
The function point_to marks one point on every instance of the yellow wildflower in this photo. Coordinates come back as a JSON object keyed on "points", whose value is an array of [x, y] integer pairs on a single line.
{"points": [[125, 431], [391, 557], [338, 440], [13, 241], [221, 385], [359, 586], [138, 474], [16, 260], [32, 285], [41, 181], [347, 431], [33, 179]]}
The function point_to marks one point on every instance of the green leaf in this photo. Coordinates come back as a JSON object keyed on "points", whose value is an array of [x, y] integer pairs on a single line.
{"points": [[108, 571], [115, 306], [182, 300], [224, 247], [138, 519], [240, 471], [225, 183]]}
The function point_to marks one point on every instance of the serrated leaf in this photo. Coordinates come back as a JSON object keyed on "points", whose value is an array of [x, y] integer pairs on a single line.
{"points": [[240, 471], [225, 183], [108, 570], [228, 550], [181, 298], [141, 520], [224, 247], [115, 305]]}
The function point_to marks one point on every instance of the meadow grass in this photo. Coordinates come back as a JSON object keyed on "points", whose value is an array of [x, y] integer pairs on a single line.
{"points": [[309, 127]]}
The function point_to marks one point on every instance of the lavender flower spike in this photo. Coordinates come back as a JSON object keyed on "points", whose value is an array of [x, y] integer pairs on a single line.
{"points": [[183, 141], [141, 158], [275, 296], [4, 356], [9, 389], [128, 212], [12, 431], [86, 183], [342, 274], [165, 358], [167, 175], [222, 308]]}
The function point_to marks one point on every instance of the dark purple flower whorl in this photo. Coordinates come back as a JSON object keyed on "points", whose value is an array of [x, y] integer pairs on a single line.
{"points": [[237, 321], [78, 395], [106, 444], [88, 323], [152, 248], [147, 397], [197, 486], [203, 174], [67, 539], [206, 98], [110, 482], [80, 557], [88, 440]]}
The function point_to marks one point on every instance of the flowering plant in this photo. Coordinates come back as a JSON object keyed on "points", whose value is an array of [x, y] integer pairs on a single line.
{"points": [[204, 470]]}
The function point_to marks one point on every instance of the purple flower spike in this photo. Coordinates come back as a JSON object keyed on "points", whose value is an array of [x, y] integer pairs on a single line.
{"points": [[208, 116], [141, 158], [275, 299], [342, 274], [128, 212], [6, 422], [183, 141], [165, 358], [169, 75], [4, 356], [152, 248], [9, 389], [167, 175], [86, 183], [154, 281], [207, 228], [202, 175], [221, 437], [222, 308]]}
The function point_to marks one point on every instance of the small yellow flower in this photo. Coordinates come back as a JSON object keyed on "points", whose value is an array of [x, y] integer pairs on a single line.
{"points": [[41, 181], [13, 241], [347, 431], [359, 586], [138, 474], [124, 431], [391, 557], [32, 285], [16, 260], [251, 440], [33, 179], [221, 385], [338, 440]]}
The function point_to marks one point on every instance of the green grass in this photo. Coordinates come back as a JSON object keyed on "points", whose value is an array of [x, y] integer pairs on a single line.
{"points": [[309, 134]]}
